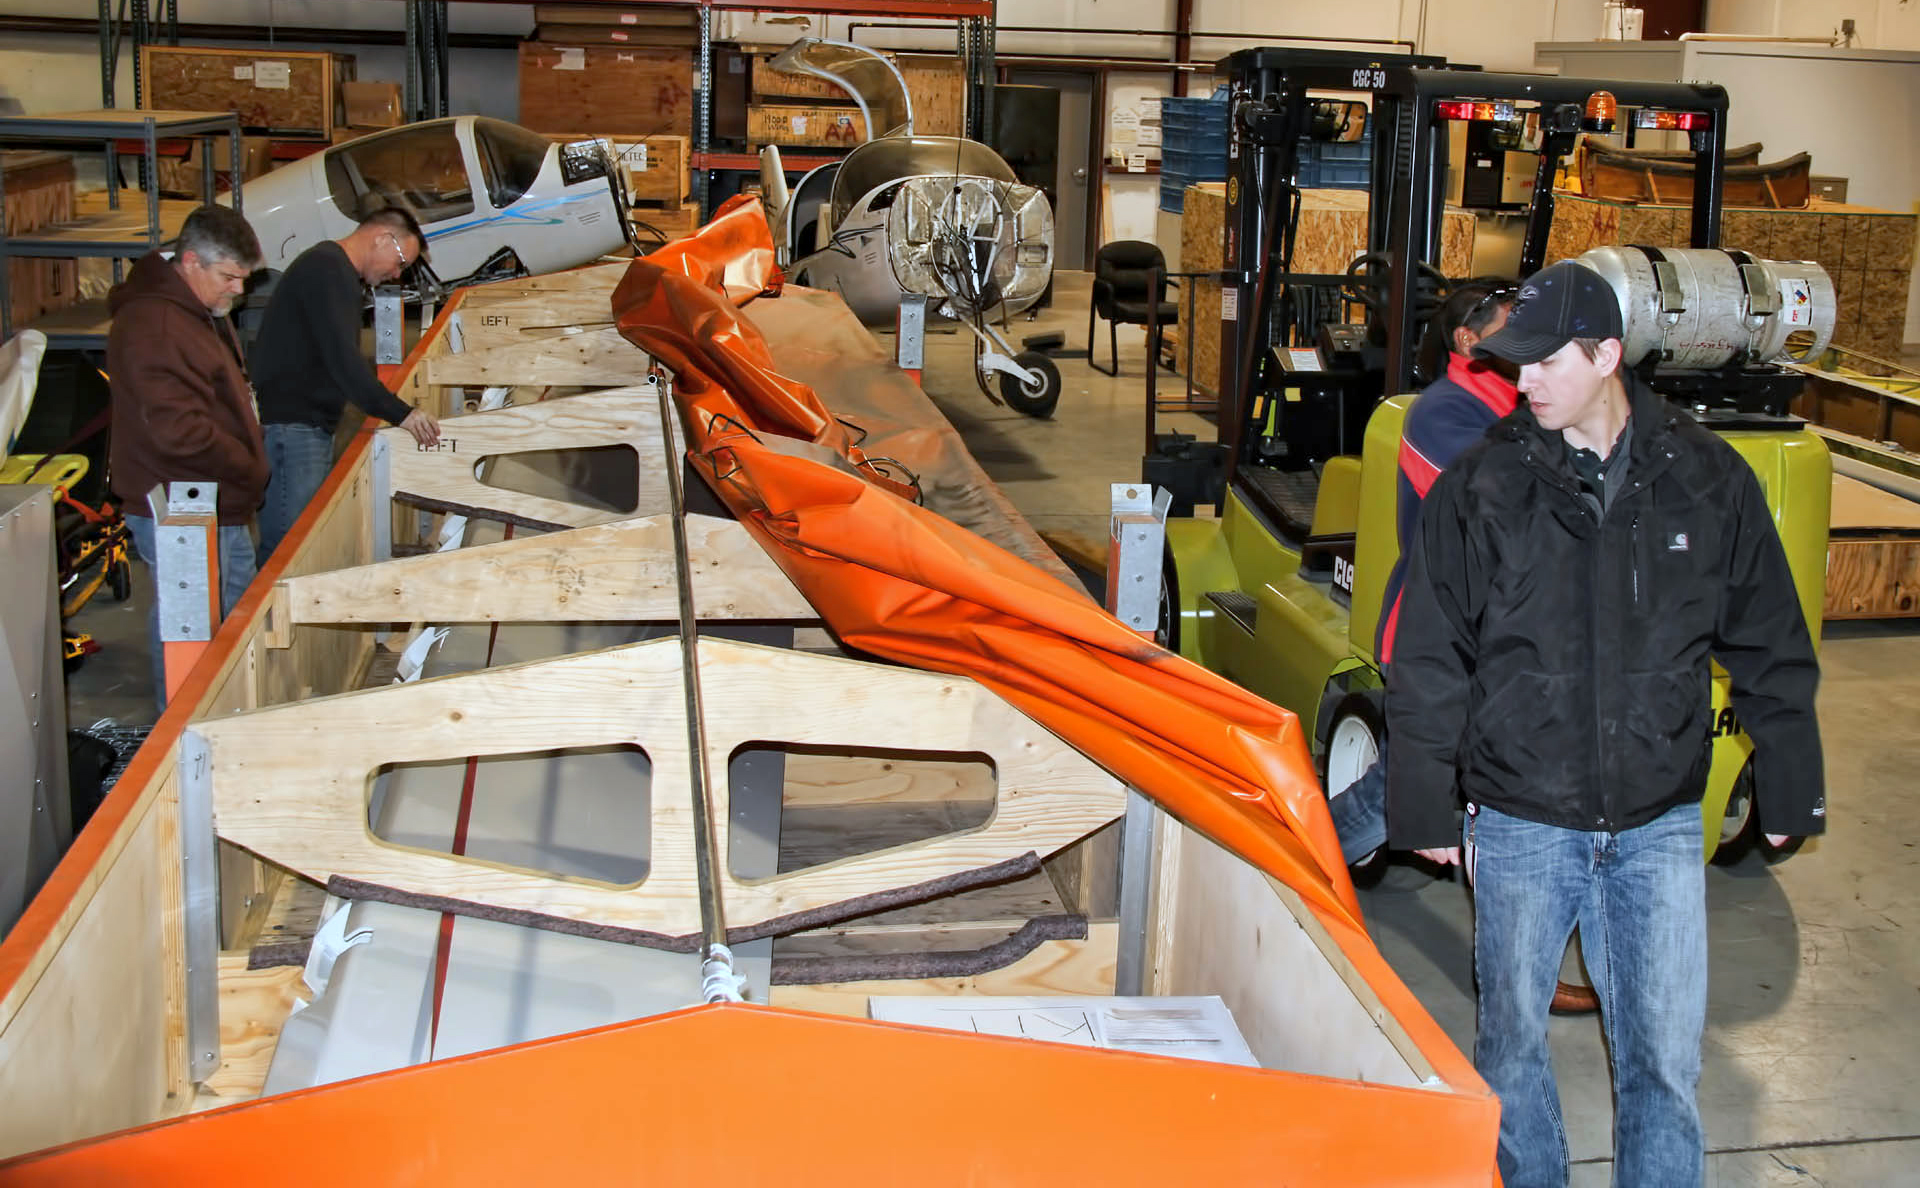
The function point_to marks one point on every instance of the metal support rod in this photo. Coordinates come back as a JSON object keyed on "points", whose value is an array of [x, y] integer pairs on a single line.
{"points": [[702, 112], [186, 573], [1136, 538], [716, 958]]}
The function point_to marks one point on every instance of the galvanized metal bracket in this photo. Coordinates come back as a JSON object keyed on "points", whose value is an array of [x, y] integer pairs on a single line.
{"points": [[1136, 542], [200, 903], [185, 518], [912, 336], [389, 326]]}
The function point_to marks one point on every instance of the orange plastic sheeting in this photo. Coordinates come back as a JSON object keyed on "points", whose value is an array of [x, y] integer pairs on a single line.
{"points": [[756, 1095], [897, 580]]}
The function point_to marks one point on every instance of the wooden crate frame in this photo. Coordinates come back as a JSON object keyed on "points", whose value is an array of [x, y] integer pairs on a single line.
{"points": [[93, 981]]}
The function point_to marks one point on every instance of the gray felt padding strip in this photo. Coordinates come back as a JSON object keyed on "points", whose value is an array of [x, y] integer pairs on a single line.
{"points": [[1024, 866], [962, 963]]}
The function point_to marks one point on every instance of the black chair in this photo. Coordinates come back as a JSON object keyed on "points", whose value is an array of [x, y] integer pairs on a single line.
{"points": [[1129, 280]]}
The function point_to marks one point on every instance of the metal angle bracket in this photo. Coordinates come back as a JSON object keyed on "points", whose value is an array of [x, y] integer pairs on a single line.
{"points": [[1136, 542], [200, 904], [184, 518]]}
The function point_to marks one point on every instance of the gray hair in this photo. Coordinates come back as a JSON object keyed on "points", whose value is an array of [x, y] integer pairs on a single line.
{"points": [[220, 233]]}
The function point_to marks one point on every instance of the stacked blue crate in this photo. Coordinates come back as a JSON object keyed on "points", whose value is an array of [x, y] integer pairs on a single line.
{"points": [[1330, 166], [1193, 146]]}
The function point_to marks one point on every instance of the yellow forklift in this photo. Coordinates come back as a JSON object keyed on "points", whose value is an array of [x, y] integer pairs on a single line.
{"points": [[1281, 591]]}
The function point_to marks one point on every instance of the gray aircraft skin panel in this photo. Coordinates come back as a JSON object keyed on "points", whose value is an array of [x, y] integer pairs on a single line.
{"points": [[579, 815]]}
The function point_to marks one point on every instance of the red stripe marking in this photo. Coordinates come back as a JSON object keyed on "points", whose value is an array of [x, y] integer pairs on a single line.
{"points": [[1387, 633], [445, 947]]}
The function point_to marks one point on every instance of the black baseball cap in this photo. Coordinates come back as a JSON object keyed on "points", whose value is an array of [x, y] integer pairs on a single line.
{"points": [[1556, 305]]}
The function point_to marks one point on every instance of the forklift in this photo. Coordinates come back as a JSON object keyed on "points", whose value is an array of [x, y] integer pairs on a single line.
{"points": [[1281, 590]]}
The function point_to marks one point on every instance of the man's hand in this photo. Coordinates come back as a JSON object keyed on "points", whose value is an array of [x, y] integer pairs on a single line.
{"points": [[1450, 856], [424, 428]]}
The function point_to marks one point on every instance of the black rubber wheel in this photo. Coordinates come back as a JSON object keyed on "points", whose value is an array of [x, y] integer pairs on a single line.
{"points": [[120, 579], [1742, 833], [1035, 402], [1166, 631], [1356, 740]]}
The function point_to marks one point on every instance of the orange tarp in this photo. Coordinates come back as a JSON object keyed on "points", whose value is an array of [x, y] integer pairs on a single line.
{"points": [[896, 580]]}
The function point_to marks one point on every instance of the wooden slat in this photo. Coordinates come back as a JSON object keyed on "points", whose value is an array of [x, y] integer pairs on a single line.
{"points": [[624, 571], [592, 357]]}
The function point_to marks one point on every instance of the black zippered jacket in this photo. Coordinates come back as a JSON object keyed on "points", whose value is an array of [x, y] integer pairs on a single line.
{"points": [[1552, 663]]}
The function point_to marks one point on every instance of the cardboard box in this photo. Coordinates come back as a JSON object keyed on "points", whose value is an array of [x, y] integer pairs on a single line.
{"points": [[815, 127], [372, 104], [283, 93]]}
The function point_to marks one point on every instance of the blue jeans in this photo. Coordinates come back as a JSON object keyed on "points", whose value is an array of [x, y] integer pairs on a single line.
{"points": [[1640, 897], [236, 574], [1360, 813], [299, 457]]}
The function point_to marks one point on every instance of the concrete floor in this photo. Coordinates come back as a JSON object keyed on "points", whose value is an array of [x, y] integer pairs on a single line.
{"points": [[1813, 983]]}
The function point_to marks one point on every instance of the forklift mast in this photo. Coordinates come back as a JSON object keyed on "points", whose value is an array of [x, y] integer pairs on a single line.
{"points": [[1413, 100]]}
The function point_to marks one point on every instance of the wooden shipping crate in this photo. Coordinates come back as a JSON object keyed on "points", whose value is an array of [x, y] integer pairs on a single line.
{"points": [[286, 93], [40, 194], [937, 86], [657, 167], [1333, 231], [814, 127], [671, 220], [640, 92], [1869, 253], [681, 36]]}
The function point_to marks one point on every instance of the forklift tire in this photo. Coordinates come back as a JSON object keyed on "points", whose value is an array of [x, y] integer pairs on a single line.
{"points": [[1166, 631], [1740, 832], [1033, 401], [1356, 740]]}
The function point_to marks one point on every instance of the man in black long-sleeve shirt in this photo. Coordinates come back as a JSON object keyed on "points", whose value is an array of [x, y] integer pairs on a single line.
{"points": [[308, 365]]}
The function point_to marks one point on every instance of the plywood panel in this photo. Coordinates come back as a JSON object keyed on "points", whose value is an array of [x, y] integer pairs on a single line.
{"points": [[291, 784], [87, 1050], [1225, 928]]}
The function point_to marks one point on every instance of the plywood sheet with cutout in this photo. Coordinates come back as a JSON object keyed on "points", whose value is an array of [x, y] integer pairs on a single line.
{"points": [[291, 784], [444, 476]]}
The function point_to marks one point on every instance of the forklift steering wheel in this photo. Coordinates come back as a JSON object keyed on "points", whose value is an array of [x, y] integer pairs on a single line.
{"points": [[1430, 285]]}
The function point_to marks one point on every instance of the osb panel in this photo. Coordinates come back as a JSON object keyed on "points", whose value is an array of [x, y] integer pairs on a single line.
{"points": [[1202, 245], [188, 78], [1747, 231], [1890, 242], [939, 95], [642, 92]]}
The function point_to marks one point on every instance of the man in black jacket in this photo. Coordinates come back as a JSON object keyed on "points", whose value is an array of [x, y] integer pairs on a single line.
{"points": [[308, 365], [1573, 574]]}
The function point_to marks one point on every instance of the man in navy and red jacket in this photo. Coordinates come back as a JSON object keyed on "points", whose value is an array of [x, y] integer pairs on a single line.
{"points": [[1452, 413]]}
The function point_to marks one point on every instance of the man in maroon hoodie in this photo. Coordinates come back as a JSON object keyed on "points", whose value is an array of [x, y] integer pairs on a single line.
{"points": [[182, 407]]}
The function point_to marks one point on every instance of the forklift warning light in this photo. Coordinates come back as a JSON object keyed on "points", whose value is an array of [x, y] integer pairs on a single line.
{"points": [[1468, 109], [1673, 121]]}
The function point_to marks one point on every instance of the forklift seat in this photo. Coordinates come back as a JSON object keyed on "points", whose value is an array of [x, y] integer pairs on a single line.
{"points": [[1129, 281]]}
